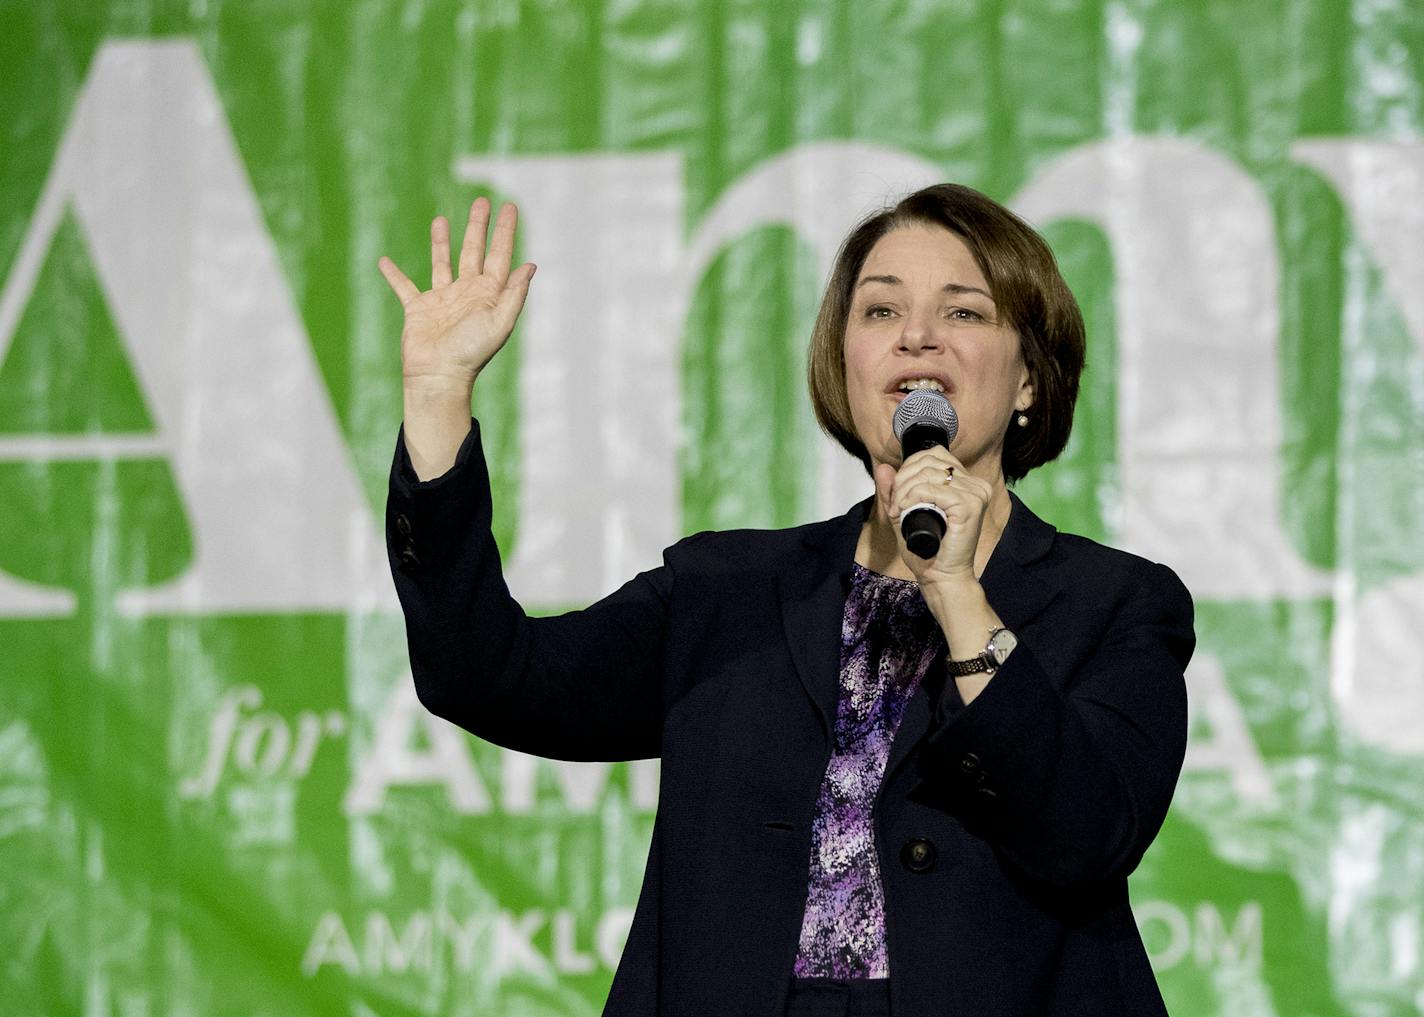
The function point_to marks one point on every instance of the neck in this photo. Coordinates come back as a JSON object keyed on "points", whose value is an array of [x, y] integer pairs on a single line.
{"points": [[879, 546]]}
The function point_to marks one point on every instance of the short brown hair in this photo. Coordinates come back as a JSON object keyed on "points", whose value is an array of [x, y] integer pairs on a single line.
{"points": [[1027, 289]]}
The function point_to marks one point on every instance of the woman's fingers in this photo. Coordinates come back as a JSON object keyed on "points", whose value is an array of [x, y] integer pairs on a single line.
{"points": [[439, 252], [473, 260], [925, 477], [511, 298], [472, 251], [934, 457], [501, 247], [404, 289], [933, 464]]}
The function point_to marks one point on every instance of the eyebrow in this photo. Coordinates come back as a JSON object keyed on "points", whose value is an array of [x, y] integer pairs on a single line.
{"points": [[895, 280]]}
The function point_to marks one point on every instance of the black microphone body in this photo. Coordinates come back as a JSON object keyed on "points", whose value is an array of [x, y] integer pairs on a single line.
{"points": [[923, 420]]}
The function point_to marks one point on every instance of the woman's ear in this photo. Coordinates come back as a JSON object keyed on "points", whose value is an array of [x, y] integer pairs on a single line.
{"points": [[1026, 393]]}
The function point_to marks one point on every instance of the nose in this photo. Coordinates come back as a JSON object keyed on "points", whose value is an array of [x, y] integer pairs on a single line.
{"points": [[921, 332]]}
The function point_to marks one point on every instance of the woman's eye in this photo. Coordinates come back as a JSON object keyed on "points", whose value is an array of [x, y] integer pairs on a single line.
{"points": [[877, 311], [965, 314]]}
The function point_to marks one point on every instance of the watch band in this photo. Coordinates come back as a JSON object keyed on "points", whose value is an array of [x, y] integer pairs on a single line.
{"points": [[985, 660], [959, 668]]}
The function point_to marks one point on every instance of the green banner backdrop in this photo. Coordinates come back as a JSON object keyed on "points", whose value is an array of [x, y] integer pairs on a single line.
{"points": [[218, 794]]}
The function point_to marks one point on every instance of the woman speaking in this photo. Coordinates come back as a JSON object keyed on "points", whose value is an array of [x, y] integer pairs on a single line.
{"points": [[893, 780]]}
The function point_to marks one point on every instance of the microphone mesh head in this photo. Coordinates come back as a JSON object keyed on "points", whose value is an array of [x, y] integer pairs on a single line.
{"points": [[926, 406]]}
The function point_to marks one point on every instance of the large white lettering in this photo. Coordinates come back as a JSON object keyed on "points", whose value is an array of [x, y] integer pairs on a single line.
{"points": [[394, 759], [280, 522], [1376, 678], [1227, 746], [1198, 318], [1376, 667], [598, 485], [1382, 184], [819, 189], [220, 354], [598, 380]]}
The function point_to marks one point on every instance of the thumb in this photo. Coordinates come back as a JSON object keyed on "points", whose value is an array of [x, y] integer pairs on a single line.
{"points": [[884, 485], [516, 287], [511, 299]]}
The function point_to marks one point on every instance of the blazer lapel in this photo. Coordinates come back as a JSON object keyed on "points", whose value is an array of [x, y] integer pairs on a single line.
{"points": [[1015, 594], [813, 598]]}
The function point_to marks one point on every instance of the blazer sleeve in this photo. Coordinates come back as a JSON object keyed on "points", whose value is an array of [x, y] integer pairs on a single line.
{"points": [[1071, 781], [581, 686]]}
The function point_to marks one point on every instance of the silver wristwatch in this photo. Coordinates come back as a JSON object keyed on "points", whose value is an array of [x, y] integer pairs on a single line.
{"points": [[996, 651]]}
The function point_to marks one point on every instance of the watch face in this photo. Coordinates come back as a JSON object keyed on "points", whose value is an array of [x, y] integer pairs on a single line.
{"points": [[1002, 645]]}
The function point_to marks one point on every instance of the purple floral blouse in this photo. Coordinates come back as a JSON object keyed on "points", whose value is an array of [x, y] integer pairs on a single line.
{"points": [[888, 639]]}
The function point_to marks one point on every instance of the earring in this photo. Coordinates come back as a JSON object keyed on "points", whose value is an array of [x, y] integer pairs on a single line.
{"points": [[1021, 420]]}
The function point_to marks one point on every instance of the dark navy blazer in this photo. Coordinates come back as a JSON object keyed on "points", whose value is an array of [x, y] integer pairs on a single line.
{"points": [[1006, 829]]}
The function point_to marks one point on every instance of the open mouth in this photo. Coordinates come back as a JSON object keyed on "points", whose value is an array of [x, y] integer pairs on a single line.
{"points": [[915, 384]]}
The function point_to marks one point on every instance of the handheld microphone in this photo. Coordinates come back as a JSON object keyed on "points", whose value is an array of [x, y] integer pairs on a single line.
{"points": [[924, 419]]}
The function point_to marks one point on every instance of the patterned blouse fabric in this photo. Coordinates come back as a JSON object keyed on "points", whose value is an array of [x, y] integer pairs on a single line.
{"points": [[888, 639]]}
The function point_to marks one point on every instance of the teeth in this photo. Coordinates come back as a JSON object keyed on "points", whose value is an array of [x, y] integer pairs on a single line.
{"points": [[916, 383]]}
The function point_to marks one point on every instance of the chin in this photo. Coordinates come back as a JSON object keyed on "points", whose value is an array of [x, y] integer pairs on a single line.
{"points": [[890, 455]]}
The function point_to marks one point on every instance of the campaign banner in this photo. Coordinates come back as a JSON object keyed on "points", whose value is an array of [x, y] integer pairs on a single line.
{"points": [[218, 792]]}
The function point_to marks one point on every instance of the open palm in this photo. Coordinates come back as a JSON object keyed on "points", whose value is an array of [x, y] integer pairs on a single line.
{"points": [[453, 329]]}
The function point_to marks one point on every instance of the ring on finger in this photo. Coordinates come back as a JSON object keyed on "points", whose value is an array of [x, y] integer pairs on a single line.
{"points": [[948, 474]]}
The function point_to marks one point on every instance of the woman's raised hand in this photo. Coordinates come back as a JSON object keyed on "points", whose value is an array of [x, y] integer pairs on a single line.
{"points": [[453, 329]]}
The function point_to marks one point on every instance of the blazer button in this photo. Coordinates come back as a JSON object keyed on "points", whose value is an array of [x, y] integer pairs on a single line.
{"points": [[969, 764], [918, 855], [403, 525], [408, 559]]}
